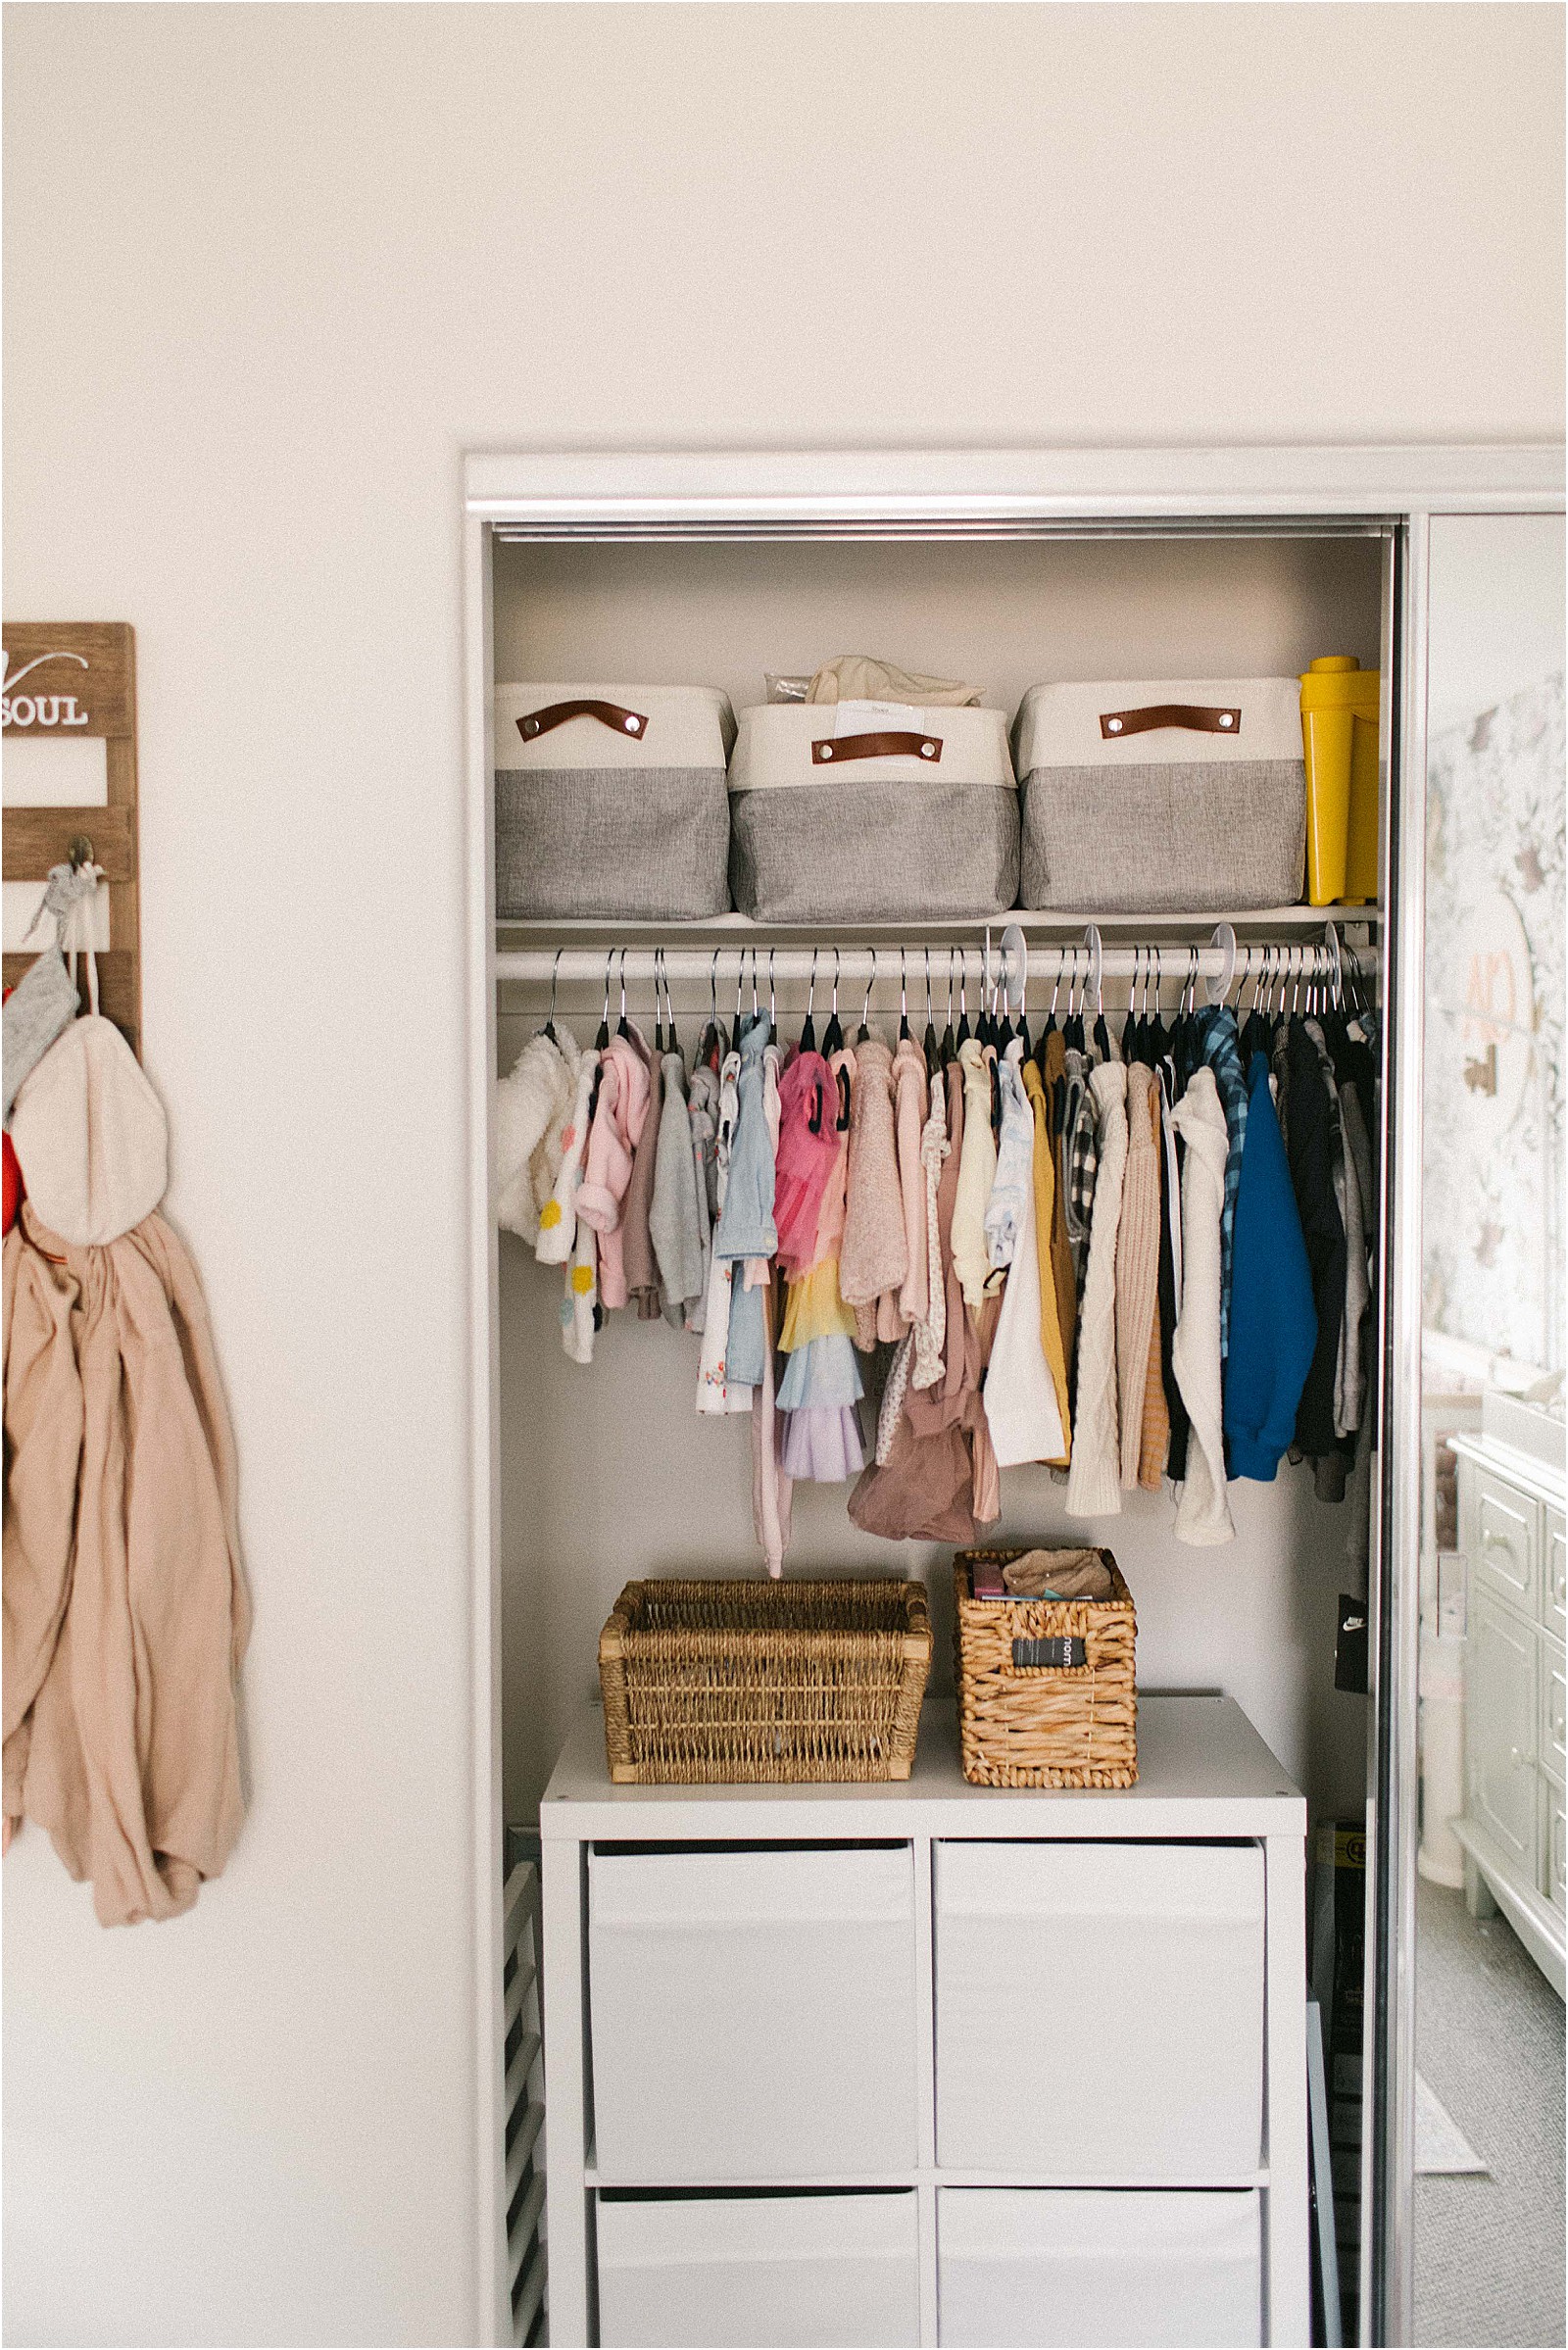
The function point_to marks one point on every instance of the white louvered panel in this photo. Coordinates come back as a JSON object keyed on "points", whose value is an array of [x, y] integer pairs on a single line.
{"points": [[518, 2069], [522, 2145], [518, 1991], [525, 2307], [524, 2228]]}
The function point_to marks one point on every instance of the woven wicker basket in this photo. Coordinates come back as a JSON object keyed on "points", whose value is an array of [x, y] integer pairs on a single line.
{"points": [[736, 1681], [1044, 1725]]}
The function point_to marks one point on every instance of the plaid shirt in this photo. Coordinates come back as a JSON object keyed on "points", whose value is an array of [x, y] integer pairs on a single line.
{"points": [[1080, 1159], [1222, 1052]]}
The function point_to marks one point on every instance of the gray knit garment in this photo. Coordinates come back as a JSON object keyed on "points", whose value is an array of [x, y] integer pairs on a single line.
{"points": [[672, 1217], [41, 1005]]}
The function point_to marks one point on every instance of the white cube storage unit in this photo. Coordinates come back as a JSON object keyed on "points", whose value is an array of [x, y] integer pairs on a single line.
{"points": [[925, 2062], [783, 2270], [752, 2013], [1082, 2266], [1136, 1970]]}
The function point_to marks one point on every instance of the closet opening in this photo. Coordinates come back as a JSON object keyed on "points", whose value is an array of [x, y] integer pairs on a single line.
{"points": [[603, 1472]]}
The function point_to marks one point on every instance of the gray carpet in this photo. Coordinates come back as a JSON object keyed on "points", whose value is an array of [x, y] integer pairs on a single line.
{"points": [[1490, 2251]]}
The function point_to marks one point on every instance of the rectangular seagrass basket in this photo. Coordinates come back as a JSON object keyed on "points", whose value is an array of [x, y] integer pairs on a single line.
{"points": [[1027, 1720], [729, 1681]]}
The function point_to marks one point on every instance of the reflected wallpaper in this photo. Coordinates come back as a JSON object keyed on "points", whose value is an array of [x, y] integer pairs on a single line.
{"points": [[1492, 1269]]}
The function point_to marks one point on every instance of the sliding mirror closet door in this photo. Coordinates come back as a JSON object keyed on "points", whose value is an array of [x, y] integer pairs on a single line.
{"points": [[1486, 2199]]}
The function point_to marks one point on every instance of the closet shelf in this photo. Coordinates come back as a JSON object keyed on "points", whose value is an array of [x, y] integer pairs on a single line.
{"points": [[728, 929]]}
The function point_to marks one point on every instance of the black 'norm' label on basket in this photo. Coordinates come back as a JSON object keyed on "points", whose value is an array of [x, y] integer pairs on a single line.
{"points": [[1048, 1652]]}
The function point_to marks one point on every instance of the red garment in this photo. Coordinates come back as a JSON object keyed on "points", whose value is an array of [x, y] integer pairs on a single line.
{"points": [[16, 1190]]}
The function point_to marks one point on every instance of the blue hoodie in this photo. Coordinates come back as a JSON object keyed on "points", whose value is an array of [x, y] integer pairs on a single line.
{"points": [[1273, 1323]]}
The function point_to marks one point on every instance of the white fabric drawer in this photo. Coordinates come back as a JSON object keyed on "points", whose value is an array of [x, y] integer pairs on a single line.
{"points": [[1100, 2010], [1080, 2266], [770, 2270], [752, 2014]]}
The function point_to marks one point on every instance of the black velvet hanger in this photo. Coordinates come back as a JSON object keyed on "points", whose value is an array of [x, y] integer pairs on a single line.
{"points": [[833, 1034]]}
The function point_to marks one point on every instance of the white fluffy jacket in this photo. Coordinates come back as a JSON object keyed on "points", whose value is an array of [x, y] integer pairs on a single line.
{"points": [[1203, 1512], [533, 1103]]}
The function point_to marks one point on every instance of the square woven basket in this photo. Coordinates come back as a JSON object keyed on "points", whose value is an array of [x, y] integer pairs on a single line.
{"points": [[728, 1682], [1026, 1724]]}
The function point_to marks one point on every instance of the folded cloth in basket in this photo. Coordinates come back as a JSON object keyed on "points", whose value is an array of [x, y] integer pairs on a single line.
{"points": [[856, 677], [1057, 1574]]}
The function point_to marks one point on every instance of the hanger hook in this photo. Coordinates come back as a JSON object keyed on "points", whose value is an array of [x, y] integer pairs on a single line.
{"points": [[865, 1009], [903, 984], [773, 998], [835, 982], [930, 1023], [555, 970], [810, 989], [623, 983]]}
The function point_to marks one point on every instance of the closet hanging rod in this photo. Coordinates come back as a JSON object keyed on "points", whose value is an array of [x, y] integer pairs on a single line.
{"points": [[1289, 958]]}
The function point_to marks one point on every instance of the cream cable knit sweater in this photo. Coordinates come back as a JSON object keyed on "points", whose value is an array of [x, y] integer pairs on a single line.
{"points": [[1203, 1513], [1094, 1481]]}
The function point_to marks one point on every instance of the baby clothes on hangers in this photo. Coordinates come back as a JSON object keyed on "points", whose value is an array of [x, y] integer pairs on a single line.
{"points": [[717, 1392], [613, 1140], [702, 1109], [1154, 1450], [1313, 1152], [772, 1486], [912, 1104], [930, 1333], [673, 1220], [1273, 1320], [808, 1146], [977, 1168], [1094, 1481], [1012, 1184], [1046, 1206], [1347, 1192], [1137, 1268], [746, 1227], [533, 1103], [1203, 1511], [1019, 1395], [1080, 1161], [1170, 1271], [1219, 1045], [874, 1258], [643, 1286], [557, 1218]]}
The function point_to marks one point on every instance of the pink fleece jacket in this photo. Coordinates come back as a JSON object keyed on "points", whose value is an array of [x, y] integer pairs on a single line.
{"points": [[613, 1140]]}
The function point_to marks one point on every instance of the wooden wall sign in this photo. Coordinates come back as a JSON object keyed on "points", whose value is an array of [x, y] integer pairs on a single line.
{"points": [[64, 681]]}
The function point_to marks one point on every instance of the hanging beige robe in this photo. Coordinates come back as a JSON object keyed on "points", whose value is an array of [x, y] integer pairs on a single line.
{"points": [[126, 1615]]}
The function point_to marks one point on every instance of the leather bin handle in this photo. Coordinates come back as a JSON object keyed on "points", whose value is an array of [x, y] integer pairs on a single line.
{"points": [[1115, 723], [876, 746], [609, 713]]}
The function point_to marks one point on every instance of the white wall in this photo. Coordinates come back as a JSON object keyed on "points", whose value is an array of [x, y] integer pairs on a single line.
{"points": [[270, 271]]}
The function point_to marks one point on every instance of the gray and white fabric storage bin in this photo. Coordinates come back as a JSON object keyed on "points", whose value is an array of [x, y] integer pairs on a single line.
{"points": [[871, 812], [1184, 795], [610, 801]]}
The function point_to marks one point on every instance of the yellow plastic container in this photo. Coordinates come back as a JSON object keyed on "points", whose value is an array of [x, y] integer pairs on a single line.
{"points": [[1340, 739]]}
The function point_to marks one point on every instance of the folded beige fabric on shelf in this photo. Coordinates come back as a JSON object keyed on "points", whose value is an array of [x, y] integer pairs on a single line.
{"points": [[856, 677]]}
